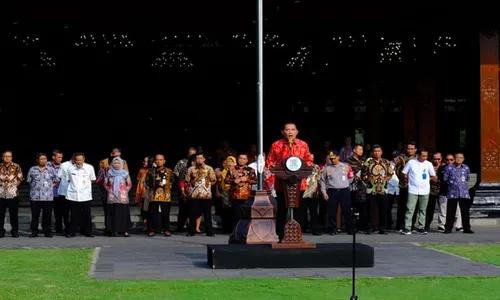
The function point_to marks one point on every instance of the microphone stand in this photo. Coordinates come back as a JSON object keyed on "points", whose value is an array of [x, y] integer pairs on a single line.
{"points": [[355, 216]]}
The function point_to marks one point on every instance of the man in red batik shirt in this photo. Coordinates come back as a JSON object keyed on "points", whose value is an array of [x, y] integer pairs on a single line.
{"points": [[280, 150]]}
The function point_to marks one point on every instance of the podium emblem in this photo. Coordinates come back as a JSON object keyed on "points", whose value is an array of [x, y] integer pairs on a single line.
{"points": [[293, 163]]}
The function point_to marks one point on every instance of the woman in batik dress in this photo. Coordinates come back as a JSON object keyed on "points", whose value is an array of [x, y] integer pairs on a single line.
{"points": [[223, 190]]}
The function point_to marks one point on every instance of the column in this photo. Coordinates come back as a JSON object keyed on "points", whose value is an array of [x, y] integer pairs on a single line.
{"points": [[488, 192], [373, 130], [427, 114], [409, 109]]}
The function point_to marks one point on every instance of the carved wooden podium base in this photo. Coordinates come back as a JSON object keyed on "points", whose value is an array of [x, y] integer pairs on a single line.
{"points": [[293, 237], [257, 225]]}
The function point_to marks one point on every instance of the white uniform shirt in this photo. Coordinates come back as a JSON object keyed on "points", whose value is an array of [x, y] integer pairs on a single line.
{"points": [[63, 185], [80, 183], [393, 184], [419, 176]]}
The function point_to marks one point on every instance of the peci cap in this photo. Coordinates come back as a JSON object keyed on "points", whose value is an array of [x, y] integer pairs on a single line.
{"points": [[333, 154]]}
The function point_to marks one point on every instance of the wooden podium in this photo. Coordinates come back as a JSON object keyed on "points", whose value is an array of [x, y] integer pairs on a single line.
{"points": [[290, 172]]}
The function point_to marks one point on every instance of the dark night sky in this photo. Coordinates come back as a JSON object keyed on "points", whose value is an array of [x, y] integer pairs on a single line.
{"points": [[119, 90]]}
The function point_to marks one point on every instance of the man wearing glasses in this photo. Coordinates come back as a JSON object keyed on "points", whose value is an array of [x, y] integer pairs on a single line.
{"points": [[437, 162], [457, 176], [443, 200]]}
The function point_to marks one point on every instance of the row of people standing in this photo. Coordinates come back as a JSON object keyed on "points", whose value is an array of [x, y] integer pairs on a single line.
{"points": [[65, 188]]}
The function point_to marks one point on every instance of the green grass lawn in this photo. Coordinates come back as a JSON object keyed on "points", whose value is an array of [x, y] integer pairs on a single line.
{"points": [[63, 274], [489, 254]]}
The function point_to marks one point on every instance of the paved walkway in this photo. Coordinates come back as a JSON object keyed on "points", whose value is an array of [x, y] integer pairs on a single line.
{"points": [[180, 257]]}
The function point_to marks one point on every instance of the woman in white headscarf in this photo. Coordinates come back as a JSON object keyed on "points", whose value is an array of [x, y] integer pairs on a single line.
{"points": [[118, 183]]}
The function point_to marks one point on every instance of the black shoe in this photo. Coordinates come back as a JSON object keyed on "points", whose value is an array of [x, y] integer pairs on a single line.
{"points": [[421, 231], [2, 235], [211, 235], [89, 235], [190, 234], [468, 231], [382, 232], [34, 235], [14, 234], [316, 233], [70, 235], [447, 231], [48, 234]]}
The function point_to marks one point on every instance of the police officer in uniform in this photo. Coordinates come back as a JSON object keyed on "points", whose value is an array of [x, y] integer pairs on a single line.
{"points": [[335, 180]]}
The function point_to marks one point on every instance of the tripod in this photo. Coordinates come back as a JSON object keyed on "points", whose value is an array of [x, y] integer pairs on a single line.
{"points": [[355, 216]]}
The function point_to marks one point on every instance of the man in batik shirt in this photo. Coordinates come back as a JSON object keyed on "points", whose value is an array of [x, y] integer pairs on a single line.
{"points": [[358, 187], [401, 160], [376, 172], [310, 200], [180, 171], [61, 206], [11, 177], [42, 180], [159, 181], [241, 179], [201, 178], [280, 150]]}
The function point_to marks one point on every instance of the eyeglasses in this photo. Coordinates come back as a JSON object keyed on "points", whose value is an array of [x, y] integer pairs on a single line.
{"points": [[450, 160]]}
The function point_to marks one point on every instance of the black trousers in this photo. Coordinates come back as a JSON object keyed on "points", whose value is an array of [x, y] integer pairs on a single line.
{"points": [[377, 206], [236, 213], [61, 213], [323, 213], [431, 209], [391, 199], [104, 198], [451, 210], [361, 207], [159, 216], [13, 206], [310, 204], [183, 214], [402, 201], [342, 196], [197, 207], [44, 207], [282, 212], [81, 217]]}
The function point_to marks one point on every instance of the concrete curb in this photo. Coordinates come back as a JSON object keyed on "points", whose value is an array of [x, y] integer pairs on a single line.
{"points": [[95, 257]]}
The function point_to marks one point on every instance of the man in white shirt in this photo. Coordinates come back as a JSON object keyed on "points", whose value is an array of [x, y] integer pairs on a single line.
{"points": [[392, 190], [61, 191], [80, 177], [418, 171]]}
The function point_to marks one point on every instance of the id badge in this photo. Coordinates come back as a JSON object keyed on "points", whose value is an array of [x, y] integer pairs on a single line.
{"points": [[343, 177], [203, 181], [424, 176], [463, 178]]}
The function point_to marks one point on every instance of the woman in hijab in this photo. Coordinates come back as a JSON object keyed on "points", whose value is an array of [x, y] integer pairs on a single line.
{"points": [[117, 183]]}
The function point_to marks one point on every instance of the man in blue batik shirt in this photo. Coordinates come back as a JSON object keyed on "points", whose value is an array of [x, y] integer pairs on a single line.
{"points": [[457, 177]]}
